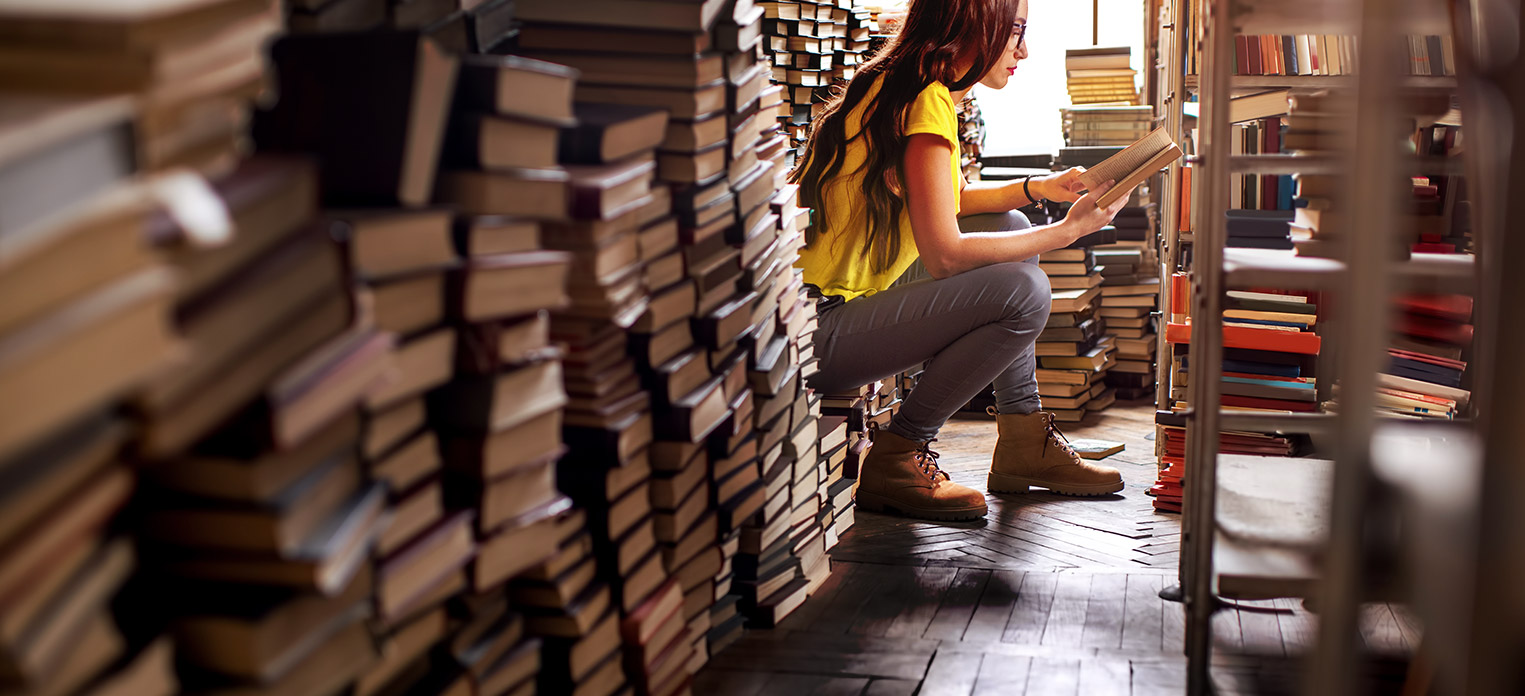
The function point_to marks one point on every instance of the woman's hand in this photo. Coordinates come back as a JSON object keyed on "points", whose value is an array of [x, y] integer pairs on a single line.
{"points": [[1064, 186], [1085, 217]]}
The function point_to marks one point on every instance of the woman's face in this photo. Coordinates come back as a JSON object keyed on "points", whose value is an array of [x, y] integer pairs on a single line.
{"points": [[1016, 50]]}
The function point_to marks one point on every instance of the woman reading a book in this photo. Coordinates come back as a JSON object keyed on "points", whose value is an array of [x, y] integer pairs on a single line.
{"points": [[882, 172]]}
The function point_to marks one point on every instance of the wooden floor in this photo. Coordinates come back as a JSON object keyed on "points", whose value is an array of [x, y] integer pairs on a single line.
{"points": [[1047, 595]]}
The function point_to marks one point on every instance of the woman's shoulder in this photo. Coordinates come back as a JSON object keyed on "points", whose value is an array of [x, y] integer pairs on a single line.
{"points": [[935, 93]]}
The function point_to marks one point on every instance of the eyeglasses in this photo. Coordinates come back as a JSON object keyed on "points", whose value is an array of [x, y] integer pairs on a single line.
{"points": [[1019, 30]]}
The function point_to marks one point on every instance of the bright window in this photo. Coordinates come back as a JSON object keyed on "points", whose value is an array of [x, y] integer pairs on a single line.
{"points": [[1024, 117]]}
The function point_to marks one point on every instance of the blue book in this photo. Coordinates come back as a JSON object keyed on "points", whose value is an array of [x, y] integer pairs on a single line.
{"points": [[1266, 322], [1270, 382]]}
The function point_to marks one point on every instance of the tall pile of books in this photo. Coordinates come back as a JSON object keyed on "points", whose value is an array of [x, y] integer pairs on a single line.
{"points": [[1130, 287], [1074, 351], [1105, 126], [87, 323], [1100, 75], [812, 46]]}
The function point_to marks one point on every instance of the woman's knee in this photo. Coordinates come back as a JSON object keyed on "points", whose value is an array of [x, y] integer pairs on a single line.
{"points": [[1026, 291]]}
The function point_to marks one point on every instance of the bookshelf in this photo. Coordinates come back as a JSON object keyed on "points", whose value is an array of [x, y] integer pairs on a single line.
{"points": [[1261, 527]]}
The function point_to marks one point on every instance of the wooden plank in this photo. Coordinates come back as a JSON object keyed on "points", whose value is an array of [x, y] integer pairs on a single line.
{"points": [[816, 653], [1226, 635], [951, 674], [1298, 632], [1163, 678], [840, 611], [896, 590], [889, 687], [1173, 628], [1105, 612], [931, 585], [1260, 628], [989, 620], [784, 684], [1030, 614], [1143, 613], [1067, 616], [1408, 625], [1053, 677], [806, 616], [1105, 677], [1379, 629], [958, 604], [1002, 675], [724, 681]]}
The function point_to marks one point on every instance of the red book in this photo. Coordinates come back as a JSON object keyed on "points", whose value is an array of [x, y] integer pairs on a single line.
{"points": [[1242, 55], [1424, 358], [1273, 404], [1302, 342], [1435, 329], [1455, 307]]}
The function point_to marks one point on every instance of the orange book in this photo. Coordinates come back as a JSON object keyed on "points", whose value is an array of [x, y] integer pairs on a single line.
{"points": [[1183, 222], [1253, 339]]}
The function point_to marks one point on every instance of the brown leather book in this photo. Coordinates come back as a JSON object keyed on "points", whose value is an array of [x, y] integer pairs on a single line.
{"points": [[611, 132], [377, 140], [519, 545], [260, 634], [488, 235], [517, 86], [325, 563], [391, 243], [491, 455], [508, 285], [492, 403], [487, 141], [409, 573]]}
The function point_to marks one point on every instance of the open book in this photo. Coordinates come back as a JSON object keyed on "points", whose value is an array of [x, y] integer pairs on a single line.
{"points": [[1130, 167]]}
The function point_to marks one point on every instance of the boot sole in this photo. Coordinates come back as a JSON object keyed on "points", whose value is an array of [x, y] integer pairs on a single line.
{"points": [[1006, 483], [873, 502]]}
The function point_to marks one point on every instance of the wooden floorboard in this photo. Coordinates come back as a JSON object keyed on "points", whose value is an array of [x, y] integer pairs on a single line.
{"points": [[1047, 595]]}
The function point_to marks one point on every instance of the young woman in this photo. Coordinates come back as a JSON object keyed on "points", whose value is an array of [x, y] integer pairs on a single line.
{"points": [[882, 172]]}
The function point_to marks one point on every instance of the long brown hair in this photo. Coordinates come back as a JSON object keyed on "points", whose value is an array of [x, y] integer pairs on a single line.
{"points": [[937, 36]]}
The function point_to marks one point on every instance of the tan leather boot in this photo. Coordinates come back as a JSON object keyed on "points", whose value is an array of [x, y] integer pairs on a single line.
{"points": [[1032, 452], [900, 476]]}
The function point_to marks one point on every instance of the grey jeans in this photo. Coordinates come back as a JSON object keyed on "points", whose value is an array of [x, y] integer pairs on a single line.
{"points": [[975, 328]]}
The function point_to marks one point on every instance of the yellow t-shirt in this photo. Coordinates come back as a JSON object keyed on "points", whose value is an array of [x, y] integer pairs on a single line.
{"points": [[835, 262]]}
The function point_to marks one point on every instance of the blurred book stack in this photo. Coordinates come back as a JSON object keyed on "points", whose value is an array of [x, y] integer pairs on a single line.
{"points": [[80, 332], [1105, 126], [1426, 372], [812, 46], [1130, 286], [1100, 76], [194, 67]]}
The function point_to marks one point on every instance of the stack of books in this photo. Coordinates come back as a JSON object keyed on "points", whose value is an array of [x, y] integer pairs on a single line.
{"points": [[86, 323], [1426, 372], [194, 66], [1105, 126], [1074, 351], [812, 46], [1259, 229], [1270, 349], [461, 522], [262, 516], [1129, 298], [1167, 490], [1101, 76]]}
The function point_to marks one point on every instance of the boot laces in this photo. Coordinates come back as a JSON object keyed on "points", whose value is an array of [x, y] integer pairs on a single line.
{"points": [[1057, 438], [926, 458]]}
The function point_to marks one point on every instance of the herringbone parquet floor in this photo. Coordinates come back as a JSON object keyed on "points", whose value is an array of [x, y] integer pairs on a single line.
{"points": [[1047, 595]]}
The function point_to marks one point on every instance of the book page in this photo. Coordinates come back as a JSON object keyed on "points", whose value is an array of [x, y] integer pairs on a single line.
{"points": [[1119, 166]]}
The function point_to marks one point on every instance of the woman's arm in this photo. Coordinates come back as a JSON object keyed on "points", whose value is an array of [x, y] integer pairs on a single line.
{"points": [[947, 252], [1001, 196]]}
